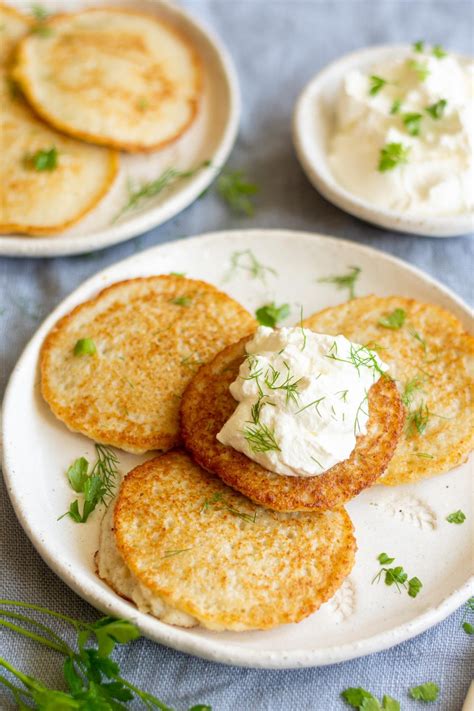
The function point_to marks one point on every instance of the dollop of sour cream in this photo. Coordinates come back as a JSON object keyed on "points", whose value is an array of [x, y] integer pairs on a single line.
{"points": [[303, 400], [424, 104]]}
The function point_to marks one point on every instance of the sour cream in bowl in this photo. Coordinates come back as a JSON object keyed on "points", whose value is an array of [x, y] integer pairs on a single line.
{"points": [[387, 134]]}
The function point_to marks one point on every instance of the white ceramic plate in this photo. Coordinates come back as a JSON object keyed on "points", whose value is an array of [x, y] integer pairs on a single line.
{"points": [[210, 137], [407, 522], [313, 124]]}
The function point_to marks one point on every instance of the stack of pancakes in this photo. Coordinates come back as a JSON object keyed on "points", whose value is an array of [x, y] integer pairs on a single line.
{"points": [[86, 86], [201, 534]]}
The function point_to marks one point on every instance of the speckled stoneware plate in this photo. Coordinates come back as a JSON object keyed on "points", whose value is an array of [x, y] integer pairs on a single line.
{"points": [[210, 138], [407, 522], [313, 124]]}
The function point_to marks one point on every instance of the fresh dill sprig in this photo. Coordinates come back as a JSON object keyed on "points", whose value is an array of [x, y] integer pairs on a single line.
{"points": [[314, 403], [218, 503], [360, 409], [245, 260], [303, 332], [172, 553], [409, 390], [236, 191], [417, 420], [344, 281], [289, 384], [97, 486], [343, 395], [418, 338], [317, 462], [154, 187], [359, 357], [260, 438], [192, 361]]}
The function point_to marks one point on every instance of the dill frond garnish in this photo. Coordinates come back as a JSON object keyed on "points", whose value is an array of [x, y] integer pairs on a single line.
{"points": [[289, 384], [246, 260], [344, 281], [360, 409], [410, 388], [98, 486], [154, 187], [359, 357], [236, 191], [260, 438], [417, 420], [342, 395], [418, 338], [316, 406], [192, 361], [218, 503], [318, 463]]}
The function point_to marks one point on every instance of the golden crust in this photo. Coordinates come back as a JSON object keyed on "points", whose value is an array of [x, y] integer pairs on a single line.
{"points": [[22, 75], [148, 349], [431, 347], [233, 573], [207, 404]]}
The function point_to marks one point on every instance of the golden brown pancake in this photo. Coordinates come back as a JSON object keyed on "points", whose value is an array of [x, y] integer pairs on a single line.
{"points": [[13, 26], [113, 77], [432, 358], [190, 550], [207, 405], [150, 336]]}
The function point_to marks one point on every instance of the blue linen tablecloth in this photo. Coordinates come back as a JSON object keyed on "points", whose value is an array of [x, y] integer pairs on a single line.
{"points": [[277, 47]]}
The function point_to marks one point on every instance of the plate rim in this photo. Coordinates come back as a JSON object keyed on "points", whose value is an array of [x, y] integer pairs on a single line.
{"points": [[320, 175], [178, 638], [60, 245]]}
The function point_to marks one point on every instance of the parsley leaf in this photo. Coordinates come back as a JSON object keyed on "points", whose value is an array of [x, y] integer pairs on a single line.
{"points": [[418, 46], [355, 696], [376, 84], [439, 52], [77, 474], [384, 559], [236, 191], [412, 123], [344, 281], [390, 704], [421, 69], [393, 320], [425, 692], [414, 586], [42, 160], [364, 701], [271, 314], [85, 346], [456, 517], [391, 155], [436, 110], [396, 106], [468, 628]]}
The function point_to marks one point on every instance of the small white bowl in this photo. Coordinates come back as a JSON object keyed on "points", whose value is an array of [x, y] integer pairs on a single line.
{"points": [[313, 122]]}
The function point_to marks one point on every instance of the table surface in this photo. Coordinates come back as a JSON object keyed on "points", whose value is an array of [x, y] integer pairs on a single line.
{"points": [[277, 47]]}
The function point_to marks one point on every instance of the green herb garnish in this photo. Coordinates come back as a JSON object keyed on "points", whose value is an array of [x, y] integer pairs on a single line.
{"points": [[344, 281], [289, 384], [181, 301], [42, 160], [411, 387], [148, 190], [39, 12], [41, 15], [314, 403], [172, 553], [364, 701], [97, 486], [436, 110], [418, 338], [248, 262], [417, 420], [393, 320], [384, 559], [392, 155], [359, 357], [218, 503], [467, 626], [85, 346], [412, 123], [236, 191], [376, 84], [271, 314], [397, 576], [425, 692], [260, 438], [396, 106], [93, 679], [439, 52], [424, 455], [456, 517], [418, 46], [421, 69]]}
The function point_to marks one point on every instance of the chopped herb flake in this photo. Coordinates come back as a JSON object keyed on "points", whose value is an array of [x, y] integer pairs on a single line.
{"points": [[376, 84], [456, 517], [439, 52], [236, 191], [85, 346], [392, 155], [393, 320], [42, 160], [181, 301], [344, 281], [425, 692], [412, 123], [248, 262], [384, 559], [396, 106], [421, 69], [419, 46], [436, 111]]}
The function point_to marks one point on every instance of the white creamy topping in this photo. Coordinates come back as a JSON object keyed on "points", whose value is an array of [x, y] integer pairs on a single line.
{"points": [[302, 400], [438, 176]]}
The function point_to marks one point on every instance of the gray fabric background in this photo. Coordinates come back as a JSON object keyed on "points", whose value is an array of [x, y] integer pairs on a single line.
{"points": [[277, 46]]}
